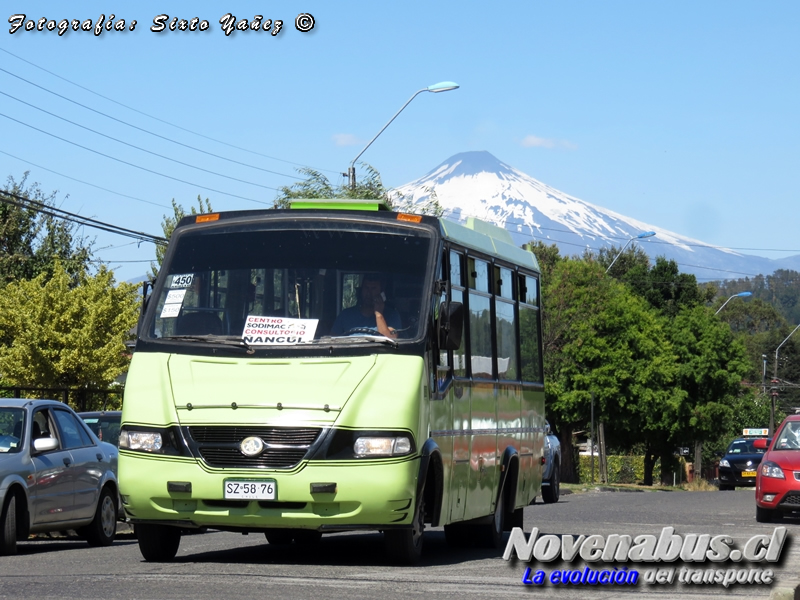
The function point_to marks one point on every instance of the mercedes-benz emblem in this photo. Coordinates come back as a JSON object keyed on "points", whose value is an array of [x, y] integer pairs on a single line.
{"points": [[252, 446]]}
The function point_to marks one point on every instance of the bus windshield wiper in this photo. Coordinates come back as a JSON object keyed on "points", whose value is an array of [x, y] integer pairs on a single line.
{"points": [[228, 340], [369, 338]]}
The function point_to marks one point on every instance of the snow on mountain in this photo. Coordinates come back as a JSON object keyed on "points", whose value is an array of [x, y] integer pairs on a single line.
{"points": [[476, 184]]}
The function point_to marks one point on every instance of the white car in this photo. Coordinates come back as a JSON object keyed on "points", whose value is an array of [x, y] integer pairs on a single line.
{"points": [[551, 477], [55, 475]]}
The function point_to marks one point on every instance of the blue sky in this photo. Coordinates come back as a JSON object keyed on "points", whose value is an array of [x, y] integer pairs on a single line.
{"points": [[682, 114]]}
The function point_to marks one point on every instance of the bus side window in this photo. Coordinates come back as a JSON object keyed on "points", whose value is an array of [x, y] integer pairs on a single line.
{"points": [[459, 358]]}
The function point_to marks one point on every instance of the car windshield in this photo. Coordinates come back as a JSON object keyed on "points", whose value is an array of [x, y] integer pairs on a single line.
{"points": [[744, 447], [12, 424], [789, 436], [292, 282]]}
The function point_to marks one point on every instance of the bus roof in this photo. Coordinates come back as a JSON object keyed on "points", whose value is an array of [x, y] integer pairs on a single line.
{"points": [[489, 239], [474, 234]]}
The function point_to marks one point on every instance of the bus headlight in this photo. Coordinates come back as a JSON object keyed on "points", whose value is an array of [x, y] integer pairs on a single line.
{"points": [[146, 441], [153, 440], [381, 446]]}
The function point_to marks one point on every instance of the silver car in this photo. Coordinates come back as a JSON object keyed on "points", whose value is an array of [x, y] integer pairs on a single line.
{"points": [[551, 478], [54, 475]]}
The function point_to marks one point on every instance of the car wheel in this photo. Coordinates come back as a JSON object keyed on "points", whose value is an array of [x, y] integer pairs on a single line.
{"points": [[724, 487], [103, 528], [551, 493], [764, 515], [404, 546], [158, 543], [8, 526]]}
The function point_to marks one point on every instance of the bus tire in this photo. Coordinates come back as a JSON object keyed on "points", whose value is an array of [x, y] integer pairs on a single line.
{"points": [[8, 526], [404, 546], [490, 535], [158, 543]]}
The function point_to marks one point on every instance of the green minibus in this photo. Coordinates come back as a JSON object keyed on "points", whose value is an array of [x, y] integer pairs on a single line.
{"points": [[335, 367]]}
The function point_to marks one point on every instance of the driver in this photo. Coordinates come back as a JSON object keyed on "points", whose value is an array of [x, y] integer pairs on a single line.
{"points": [[371, 311]]}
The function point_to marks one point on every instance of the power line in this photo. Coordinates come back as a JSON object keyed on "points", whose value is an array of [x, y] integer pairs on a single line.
{"points": [[129, 125], [41, 207], [84, 182], [119, 160], [518, 221], [156, 118], [134, 146]]}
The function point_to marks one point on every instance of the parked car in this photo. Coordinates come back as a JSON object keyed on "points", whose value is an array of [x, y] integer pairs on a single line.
{"points": [[104, 424], [551, 476], [778, 479], [739, 464], [55, 475]]}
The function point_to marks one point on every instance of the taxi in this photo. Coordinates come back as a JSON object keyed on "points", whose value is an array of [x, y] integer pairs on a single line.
{"points": [[739, 466]]}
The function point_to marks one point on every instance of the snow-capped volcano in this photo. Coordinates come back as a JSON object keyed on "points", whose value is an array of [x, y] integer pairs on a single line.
{"points": [[476, 184]]}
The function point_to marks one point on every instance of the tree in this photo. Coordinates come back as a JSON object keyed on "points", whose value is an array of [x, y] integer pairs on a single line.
{"points": [[62, 335], [32, 242], [369, 187], [600, 339], [168, 224]]}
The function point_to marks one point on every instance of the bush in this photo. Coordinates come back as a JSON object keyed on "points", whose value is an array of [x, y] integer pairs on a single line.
{"points": [[621, 469]]}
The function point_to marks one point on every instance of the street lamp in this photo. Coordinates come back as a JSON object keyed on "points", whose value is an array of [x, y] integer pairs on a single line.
{"points": [[444, 86], [775, 382], [739, 295], [646, 234]]}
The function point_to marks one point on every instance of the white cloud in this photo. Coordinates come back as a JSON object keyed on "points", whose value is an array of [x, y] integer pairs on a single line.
{"points": [[345, 139], [534, 141]]}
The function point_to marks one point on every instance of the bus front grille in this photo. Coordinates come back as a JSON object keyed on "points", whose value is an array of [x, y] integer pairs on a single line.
{"points": [[285, 446]]}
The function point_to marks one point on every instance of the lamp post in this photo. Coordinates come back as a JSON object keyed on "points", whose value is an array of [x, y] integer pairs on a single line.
{"points": [[444, 86], [775, 382], [739, 295], [646, 234]]}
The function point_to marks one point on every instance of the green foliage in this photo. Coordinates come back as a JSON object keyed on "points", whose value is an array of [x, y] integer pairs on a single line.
{"points": [[621, 469], [31, 242], [369, 187], [58, 334], [599, 338], [168, 224]]}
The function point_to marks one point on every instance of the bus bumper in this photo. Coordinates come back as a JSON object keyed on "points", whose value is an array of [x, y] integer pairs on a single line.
{"points": [[366, 495]]}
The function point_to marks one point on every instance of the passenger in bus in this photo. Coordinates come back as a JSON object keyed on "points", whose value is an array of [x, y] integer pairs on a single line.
{"points": [[370, 313]]}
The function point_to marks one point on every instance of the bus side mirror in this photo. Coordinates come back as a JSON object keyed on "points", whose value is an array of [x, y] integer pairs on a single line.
{"points": [[451, 326]]}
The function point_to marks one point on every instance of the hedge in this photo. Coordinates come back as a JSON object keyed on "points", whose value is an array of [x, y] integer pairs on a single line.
{"points": [[621, 469]]}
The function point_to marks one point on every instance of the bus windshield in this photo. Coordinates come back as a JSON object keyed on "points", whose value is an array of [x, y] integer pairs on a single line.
{"points": [[290, 282]]}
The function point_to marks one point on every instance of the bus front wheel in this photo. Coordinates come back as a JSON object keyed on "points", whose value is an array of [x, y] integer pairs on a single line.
{"points": [[158, 543], [404, 546]]}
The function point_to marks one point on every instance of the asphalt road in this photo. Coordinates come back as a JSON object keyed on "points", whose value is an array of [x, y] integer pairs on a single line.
{"points": [[218, 565]]}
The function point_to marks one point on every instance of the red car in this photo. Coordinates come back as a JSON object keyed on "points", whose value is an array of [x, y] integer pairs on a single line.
{"points": [[778, 478]]}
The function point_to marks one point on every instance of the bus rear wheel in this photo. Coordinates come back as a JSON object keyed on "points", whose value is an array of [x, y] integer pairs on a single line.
{"points": [[158, 543]]}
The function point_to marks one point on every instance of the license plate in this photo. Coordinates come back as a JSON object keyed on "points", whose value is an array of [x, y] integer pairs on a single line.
{"points": [[264, 489], [748, 473]]}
